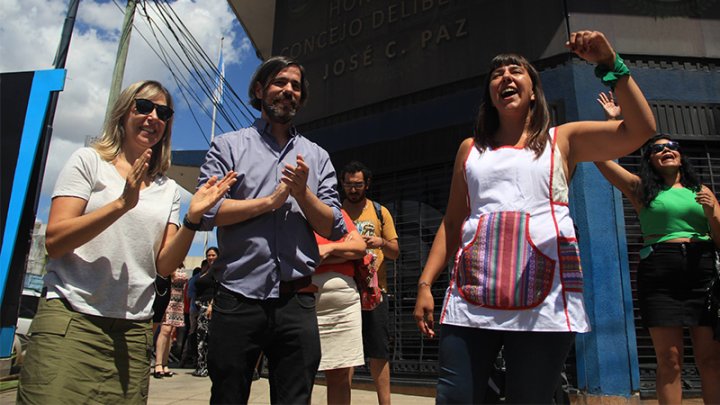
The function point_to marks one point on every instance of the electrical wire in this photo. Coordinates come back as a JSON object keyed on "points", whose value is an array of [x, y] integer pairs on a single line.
{"points": [[203, 66], [194, 73]]}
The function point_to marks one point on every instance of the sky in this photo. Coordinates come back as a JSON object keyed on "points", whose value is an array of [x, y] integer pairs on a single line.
{"points": [[29, 37]]}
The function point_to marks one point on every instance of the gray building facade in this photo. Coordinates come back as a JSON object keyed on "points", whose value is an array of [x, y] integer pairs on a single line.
{"points": [[396, 84]]}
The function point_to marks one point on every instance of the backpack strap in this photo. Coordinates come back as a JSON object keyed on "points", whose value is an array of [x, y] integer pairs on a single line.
{"points": [[378, 212]]}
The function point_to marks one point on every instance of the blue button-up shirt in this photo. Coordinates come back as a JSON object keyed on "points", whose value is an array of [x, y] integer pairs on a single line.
{"points": [[256, 254]]}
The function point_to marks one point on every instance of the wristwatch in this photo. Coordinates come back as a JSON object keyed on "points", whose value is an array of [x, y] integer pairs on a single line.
{"points": [[189, 225]]}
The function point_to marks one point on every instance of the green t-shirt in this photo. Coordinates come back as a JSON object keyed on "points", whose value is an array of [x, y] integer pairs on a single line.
{"points": [[674, 214]]}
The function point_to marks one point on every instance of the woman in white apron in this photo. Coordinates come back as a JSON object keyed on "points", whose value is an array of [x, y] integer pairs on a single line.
{"points": [[517, 280]]}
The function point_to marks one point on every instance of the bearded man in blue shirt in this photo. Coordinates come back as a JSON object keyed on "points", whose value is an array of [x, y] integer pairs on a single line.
{"points": [[286, 189]]}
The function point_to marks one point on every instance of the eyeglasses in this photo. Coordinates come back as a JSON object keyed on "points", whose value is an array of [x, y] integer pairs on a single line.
{"points": [[146, 107], [353, 185], [659, 147]]}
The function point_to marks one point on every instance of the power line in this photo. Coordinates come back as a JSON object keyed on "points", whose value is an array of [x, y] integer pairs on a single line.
{"points": [[204, 68], [194, 73]]}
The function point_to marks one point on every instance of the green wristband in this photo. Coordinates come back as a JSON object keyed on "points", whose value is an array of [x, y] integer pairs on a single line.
{"points": [[610, 77]]}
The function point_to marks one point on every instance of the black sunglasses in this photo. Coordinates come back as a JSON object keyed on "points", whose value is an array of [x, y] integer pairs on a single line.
{"points": [[146, 107], [659, 147], [357, 185]]}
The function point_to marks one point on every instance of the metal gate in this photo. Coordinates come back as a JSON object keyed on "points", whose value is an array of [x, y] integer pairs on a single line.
{"points": [[416, 199]]}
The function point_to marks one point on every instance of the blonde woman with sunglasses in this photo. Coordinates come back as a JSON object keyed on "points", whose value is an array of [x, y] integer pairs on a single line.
{"points": [[113, 225]]}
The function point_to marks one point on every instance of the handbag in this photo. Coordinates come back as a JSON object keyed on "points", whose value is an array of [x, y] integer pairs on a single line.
{"points": [[366, 279], [712, 299], [161, 283]]}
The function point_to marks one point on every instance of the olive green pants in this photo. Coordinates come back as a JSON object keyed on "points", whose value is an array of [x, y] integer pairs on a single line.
{"points": [[73, 358]]}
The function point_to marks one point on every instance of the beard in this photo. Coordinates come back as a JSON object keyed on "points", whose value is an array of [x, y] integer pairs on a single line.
{"points": [[355, 197], [278, 112]]}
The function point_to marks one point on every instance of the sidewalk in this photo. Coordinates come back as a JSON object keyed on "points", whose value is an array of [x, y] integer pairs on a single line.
{"points": [[185, 389], [188, 390]]}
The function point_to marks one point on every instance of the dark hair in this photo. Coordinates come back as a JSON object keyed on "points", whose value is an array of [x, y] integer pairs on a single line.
{"points": [[196, 270], [213, 248], [488, 120], [652, 182], [354, 167], [268, 70]]}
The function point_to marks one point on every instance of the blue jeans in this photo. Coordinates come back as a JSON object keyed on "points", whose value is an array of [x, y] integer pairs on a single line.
{"points": [[284, 328], [534, 361]]}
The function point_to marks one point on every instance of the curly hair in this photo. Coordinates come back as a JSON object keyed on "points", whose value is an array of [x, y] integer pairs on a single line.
{"points": [[354, 167], [488, 120], [652, 183]]}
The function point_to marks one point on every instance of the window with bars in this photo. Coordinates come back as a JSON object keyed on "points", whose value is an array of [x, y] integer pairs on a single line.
{"points": [[687, 120], [416, 199]]}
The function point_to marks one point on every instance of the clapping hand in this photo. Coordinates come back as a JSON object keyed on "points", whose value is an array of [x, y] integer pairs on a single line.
{"points": [[296, 177], [133, 182], [279, 196], [209, 194], [607, 101]]}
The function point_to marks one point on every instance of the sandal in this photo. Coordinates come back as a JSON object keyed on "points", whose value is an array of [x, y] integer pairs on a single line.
{"points": [[158, 374], [200, 373], [167, 372]]}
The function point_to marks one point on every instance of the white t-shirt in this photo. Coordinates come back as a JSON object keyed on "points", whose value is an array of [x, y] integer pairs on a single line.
{"points": [[112, 275]]}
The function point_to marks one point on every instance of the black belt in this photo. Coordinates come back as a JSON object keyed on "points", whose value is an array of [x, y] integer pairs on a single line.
{"points": [[685, 246], [299, 285]]}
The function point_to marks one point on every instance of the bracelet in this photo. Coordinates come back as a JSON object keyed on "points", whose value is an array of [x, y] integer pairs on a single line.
{"points": [[609, 77], [190, 225], [424, 283]]}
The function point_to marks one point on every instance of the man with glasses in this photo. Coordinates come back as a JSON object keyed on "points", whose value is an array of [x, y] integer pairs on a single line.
{"points": [[286, 189], [375, 224]]}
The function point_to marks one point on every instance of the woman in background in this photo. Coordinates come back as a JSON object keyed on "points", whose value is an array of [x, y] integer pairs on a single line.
{"points": [[680, 223], [172, 319], [338, 311], [204, 286]]}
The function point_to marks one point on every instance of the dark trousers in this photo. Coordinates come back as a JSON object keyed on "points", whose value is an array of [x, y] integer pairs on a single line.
{"points": [[534, 361], [376, 331], [284, 328]]}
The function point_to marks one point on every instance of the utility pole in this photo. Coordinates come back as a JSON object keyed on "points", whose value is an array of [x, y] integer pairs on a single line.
{"points": [[121, 58], [217, 95]]}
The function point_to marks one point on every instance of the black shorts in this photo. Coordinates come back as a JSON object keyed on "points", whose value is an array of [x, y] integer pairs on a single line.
{"points": [[672, 284], [375, 331]]}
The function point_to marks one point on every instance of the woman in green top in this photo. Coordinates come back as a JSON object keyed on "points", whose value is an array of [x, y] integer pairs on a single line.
{"points": [[680, 222]]}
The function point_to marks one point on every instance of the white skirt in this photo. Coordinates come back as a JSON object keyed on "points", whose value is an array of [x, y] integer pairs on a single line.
{"points": [[339, 320]]}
